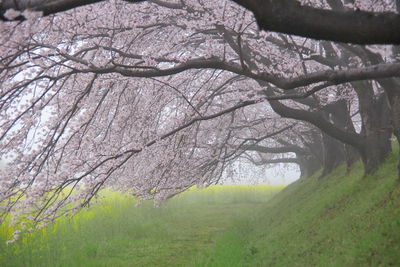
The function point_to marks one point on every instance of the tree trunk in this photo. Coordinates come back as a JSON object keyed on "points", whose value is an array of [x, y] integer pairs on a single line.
{"points": [[394, 100], [338, 113], [377, 130], [333, 154], [308, 165], [313, 160], [393, 93], [391, 86]]}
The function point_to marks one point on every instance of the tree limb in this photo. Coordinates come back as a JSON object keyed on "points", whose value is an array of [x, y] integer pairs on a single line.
{"points": [[285, 16], [349, 26]]}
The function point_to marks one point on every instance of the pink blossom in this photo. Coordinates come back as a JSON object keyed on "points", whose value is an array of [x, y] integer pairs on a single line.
{"points": [[12, 14]]}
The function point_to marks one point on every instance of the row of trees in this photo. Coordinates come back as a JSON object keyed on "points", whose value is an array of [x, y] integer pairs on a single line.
{"points": [[154, 97]]}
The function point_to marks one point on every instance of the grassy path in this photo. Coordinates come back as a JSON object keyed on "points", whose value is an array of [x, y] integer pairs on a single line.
{"points": [[115, 233]]}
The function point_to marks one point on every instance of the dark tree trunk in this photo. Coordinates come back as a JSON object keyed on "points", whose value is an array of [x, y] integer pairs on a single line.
{"points": [[334, 154], [391, 86], [394, 100], [339, 114], [312, 161], [393, 93], [308, 165], [332, 151], [377, 130], [396, 127]]}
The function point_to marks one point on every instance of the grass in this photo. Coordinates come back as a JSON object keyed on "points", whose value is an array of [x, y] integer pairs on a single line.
{"points": [[116, 233], [344, 219]]}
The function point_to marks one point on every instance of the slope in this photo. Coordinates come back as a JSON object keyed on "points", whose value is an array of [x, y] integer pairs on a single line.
{"points": [[344, 219]]}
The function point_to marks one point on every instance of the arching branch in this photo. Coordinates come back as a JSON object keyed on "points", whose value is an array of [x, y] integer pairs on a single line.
{"points": [[349, 26], [285, 16]]}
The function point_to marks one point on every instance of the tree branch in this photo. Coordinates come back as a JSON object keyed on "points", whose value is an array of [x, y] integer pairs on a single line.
{"points": [[349, 26], [316, 119], [274, 161], [273, 150], [285, 16], [47, 7], [333, 77]]}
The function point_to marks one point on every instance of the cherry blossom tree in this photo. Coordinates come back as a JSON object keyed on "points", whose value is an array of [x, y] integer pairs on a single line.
{"points": [[155, 97]]}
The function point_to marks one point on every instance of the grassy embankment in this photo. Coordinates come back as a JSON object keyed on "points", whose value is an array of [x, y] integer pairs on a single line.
{"points": [[114, 232], [343, 219]]}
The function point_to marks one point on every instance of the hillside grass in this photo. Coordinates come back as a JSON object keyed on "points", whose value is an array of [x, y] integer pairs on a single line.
{"points": [[344, 219], [113, 232]]}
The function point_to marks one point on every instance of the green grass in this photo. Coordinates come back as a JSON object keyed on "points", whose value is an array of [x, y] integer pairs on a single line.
{"points": [[344, 219], [116, 233]]}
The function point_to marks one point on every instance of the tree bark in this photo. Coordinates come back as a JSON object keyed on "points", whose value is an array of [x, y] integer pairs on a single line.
{"points": [[351, 26], [285, 16], [376, 117], [313, 160], [308, 165], [391, 86], [333, 154], [340, 116], [394, 100]]}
